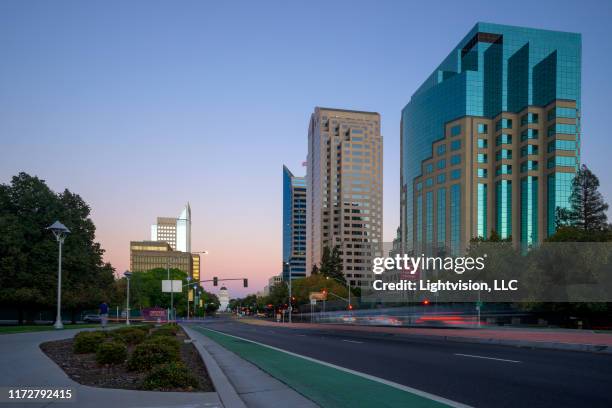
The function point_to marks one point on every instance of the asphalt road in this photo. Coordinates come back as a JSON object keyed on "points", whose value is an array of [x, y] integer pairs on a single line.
{"points": [[475, 374]]}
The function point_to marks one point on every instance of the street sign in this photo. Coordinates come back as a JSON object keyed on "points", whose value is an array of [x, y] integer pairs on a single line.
{"points": [[318, 295], [175, 286], [313, 302]]}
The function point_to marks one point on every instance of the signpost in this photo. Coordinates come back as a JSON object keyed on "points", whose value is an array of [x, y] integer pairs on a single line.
{"points": [[172, 287]]}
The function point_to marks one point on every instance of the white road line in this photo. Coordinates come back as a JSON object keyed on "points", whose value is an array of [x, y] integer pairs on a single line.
{"points": [[302, 335], [353, 341], [357, 373], [487, 358]]}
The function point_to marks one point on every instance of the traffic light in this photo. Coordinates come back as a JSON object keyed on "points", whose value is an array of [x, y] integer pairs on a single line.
{"points": [[215, 281], [426, 302], [350, 307], [246, 283]]}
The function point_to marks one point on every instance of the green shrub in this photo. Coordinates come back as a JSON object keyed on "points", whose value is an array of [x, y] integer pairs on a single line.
{"points": [[165, 340], [112, 352], [88, 341], [146, 327], [170, 376], [128, 335], [151, 353], [166, 330]]}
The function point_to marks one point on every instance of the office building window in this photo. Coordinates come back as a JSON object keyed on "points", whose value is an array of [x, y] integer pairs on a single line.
{"points": [[456, 130]]}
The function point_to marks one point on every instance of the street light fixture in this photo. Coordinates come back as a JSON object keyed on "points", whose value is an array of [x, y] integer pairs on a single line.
{"points": [[188, 289], [289, 284], [60, 231], [127, 275]]}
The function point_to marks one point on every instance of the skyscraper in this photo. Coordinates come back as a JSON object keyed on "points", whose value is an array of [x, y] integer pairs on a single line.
{"points": [[491, 140], [183, 230], [344, 197], [294, 225], [165, 231], [175, 231]]}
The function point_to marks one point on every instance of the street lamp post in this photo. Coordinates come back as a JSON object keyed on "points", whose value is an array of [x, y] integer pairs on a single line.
{"points": [[171, 310], [188, 289], [196, 298], [60, 231], [127, 275], [289, 284]]}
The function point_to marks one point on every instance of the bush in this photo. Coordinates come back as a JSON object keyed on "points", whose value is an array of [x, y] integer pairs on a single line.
{"points": [[166, 330], [165, 340], [112, 352], [128, 335], [151, 353], [88, 341], [170, 376], [146, 327]]}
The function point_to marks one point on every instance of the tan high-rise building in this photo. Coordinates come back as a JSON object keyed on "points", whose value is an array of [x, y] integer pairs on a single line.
{"points": [[344, 193], [147, 255]]}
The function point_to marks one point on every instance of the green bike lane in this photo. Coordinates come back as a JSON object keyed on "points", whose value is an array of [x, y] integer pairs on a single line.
{"points": [[325, 384]]}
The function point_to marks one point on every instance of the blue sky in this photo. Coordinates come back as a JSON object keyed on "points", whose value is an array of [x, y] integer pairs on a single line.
{"points": [[141, 106]]}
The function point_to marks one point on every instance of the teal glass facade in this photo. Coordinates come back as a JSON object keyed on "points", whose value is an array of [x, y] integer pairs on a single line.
{"points": [[559, 191], [529, 210], [482, 210], [294, 225], [441, 217], [503, 222], [495, 69], [455, 218]]}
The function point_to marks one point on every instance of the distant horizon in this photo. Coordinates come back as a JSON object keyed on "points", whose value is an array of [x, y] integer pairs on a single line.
{"points": [[152, 105]]}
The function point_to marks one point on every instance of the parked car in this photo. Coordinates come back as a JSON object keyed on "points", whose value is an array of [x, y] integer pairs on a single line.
{"points": [[92, 318]]}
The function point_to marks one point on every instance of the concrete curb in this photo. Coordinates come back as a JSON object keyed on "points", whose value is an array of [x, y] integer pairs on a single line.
{"points": [[226, 391], [589, 348]]}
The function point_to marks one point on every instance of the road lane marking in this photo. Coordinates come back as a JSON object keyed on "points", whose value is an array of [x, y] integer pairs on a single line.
{"points": [[402, 387], [487, 358], [302, 335], [353, 341]]}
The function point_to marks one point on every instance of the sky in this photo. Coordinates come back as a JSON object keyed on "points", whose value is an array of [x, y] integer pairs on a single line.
{"points": [[142, 106]]}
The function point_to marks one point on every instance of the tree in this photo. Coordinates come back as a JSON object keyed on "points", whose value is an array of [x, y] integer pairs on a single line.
{"points": [[145, 290], [331, 263], [588, 209], [28, 251]]}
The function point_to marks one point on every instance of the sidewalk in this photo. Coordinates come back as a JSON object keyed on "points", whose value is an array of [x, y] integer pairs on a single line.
{"points": [[23, 365], [253, 386], [578, 340]]}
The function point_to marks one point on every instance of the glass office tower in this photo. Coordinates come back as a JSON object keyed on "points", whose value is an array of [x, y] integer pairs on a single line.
{"points": [[294, 225], [491, 140]]}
